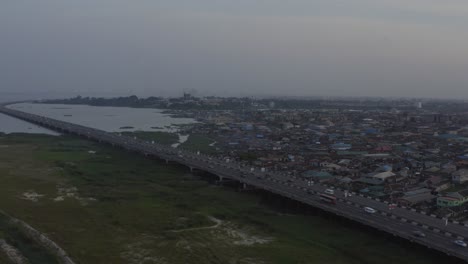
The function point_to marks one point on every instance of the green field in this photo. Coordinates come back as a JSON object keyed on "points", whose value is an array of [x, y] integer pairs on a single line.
{"points": [[118, 207]]}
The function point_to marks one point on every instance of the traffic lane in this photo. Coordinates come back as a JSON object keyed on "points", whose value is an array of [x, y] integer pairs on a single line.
{"points": [[407, 228], [401, 212], [432, 239], [415, 216]]}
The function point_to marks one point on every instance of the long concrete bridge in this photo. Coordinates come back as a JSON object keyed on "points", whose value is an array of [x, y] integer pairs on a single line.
{"points": [[400, 221]]}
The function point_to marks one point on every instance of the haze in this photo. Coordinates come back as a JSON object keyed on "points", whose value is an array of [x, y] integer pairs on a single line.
{"points": [[414, 48]]}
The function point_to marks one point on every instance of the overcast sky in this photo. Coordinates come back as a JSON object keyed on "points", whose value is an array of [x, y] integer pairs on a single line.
{"points": [[416, 48]]}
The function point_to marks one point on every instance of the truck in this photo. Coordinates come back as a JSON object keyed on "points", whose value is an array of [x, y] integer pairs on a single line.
{"points": [[327, 198]]}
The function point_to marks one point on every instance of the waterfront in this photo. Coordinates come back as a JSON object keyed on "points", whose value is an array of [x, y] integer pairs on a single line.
{"points": [[12, 125], [111, 119]]}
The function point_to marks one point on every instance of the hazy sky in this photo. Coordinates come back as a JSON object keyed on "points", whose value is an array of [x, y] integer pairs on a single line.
{"points": [[235, 47]]}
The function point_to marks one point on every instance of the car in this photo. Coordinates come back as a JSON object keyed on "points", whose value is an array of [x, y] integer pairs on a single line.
{"points": [[369, 210], [329, 191], [460, 243], [418, 233]]}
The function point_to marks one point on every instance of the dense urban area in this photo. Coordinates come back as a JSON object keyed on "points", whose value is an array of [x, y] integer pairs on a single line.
{"points": [[408, 152]]}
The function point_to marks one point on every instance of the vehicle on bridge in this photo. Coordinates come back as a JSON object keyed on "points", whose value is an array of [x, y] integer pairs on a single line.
{"points": [[418, 233], [329, 191], [460, 243], [327, 198], [370, 210]]}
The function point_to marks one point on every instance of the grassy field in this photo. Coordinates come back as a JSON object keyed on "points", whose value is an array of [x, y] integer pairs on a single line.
{"points": [[117, 207]]}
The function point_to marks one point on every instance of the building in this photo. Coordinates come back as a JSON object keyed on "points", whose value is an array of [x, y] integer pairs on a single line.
{"points": [[417, 196], [460, 176], [377, 178], [453, 199]]}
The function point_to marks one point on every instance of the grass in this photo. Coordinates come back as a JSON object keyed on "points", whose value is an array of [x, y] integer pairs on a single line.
{"points": [[4, 259], [125, 208]]}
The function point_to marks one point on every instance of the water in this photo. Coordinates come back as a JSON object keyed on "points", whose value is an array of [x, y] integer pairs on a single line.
{"points": [[12, 125], [111, 119]]}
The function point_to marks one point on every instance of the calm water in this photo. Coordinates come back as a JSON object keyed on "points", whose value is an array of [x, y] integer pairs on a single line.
{"points": [[12, 125], [112, 119]]}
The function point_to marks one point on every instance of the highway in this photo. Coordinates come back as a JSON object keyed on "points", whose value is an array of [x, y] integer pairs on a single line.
{"points": [[400, 221]]}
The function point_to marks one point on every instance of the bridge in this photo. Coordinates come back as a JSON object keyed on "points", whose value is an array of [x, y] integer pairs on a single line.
{"points": [[399, 221]]}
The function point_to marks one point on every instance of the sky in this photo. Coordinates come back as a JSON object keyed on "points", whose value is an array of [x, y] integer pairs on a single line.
{"points": [[390, 48]]}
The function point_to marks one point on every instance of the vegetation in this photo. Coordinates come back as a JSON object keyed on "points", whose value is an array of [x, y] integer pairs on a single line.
{"points": [[110, 206]]}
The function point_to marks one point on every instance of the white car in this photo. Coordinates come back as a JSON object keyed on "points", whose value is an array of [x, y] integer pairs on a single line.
{"points": [[369, 210], [460, 243], [329, 191]]}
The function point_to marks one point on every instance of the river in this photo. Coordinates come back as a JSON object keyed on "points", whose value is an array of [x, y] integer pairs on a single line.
{"points": [[111, 119]]}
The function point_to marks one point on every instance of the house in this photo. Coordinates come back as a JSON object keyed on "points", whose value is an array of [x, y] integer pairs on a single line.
{"points": [[317, 175], [377, 178], [341, 146], [408, 200], [453, 199], [460, 176]]}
